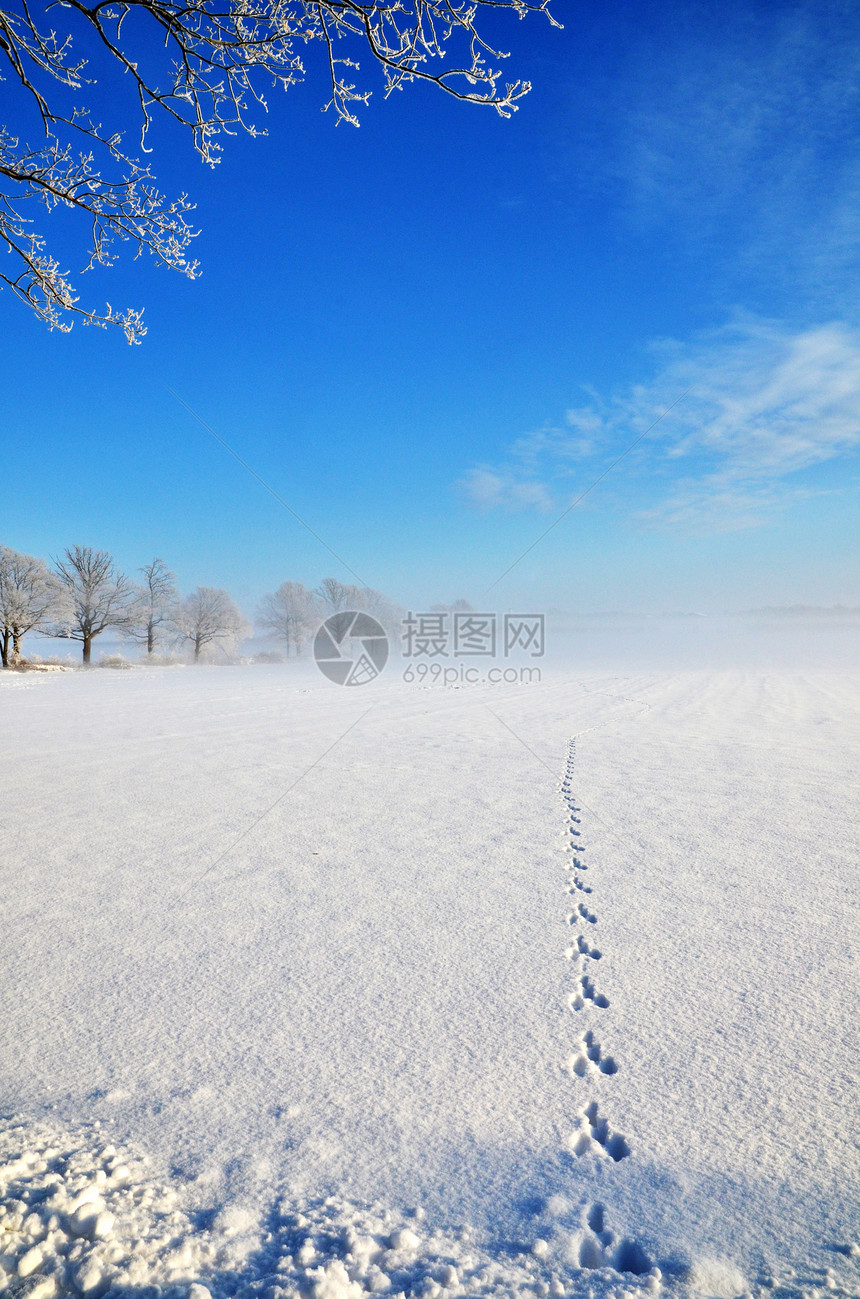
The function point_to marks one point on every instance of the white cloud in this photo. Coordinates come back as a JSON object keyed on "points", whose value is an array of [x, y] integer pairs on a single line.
{"points": [[487, 489], [713, 506], [737, 137], [762, 401], [764, 404]]}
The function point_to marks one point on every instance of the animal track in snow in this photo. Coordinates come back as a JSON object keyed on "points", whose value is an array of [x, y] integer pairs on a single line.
{"points": [[584, 950], [597, 1219], [578, 884], [589, 1057], [593, 1135], [594, 1246], [582, 913], [586, 991]]}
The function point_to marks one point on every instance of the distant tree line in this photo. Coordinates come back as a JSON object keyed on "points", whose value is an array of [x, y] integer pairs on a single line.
{"points": [[84, 594], [292, 614]]}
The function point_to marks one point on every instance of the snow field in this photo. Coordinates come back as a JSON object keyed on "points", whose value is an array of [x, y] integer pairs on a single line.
{"points": [[567, 970]]}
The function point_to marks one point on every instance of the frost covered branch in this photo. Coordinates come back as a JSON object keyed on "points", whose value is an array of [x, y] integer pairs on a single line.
{"points": [[204, 64]]}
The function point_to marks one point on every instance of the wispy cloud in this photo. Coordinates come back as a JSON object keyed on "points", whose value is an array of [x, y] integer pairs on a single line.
{"points": [[764, 405], [490, 489], [714, 506], [737, 133]]}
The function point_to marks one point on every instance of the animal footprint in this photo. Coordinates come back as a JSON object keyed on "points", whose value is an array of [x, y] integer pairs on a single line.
{"points": [[578, 884], [587, 992], [589, 1056], [593, 1135], [594, 1246], [582, 949], [597, 1219], [582, 913]]}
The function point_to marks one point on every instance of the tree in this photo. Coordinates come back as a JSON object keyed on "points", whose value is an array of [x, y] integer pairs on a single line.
{"points": [[334, 596], [385, 611], [99, 594], [209, 617], [202, 64], [31, 598], [155, 606], [290, 614]]}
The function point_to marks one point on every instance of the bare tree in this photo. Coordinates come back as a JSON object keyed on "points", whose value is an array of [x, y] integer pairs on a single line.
{"points": [[291, 613], [203, 65], [385, 611], [333, 595], [209, 617], [31, 598], [100, 596], [155, 606]]}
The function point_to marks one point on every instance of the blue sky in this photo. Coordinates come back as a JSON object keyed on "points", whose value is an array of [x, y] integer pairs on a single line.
{"points": [[429, 335]]}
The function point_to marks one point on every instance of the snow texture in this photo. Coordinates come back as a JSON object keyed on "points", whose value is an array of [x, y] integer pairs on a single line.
{"points": [[542, 989]]}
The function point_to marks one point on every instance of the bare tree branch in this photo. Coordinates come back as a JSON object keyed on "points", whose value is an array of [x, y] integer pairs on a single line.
{"points": [[216, 57]]}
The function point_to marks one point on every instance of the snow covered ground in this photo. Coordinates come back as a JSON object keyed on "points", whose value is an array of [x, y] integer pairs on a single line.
{"points": [[536, 989]]}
